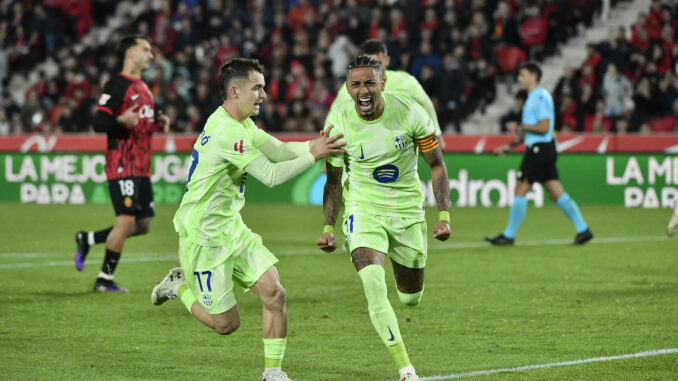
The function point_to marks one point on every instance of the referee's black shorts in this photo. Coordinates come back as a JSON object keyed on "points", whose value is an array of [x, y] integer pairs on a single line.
{"points": [[539, 163]]}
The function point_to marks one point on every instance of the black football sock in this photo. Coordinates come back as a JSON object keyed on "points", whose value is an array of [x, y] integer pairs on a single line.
{"points": [[110, 263], [100, 236]]}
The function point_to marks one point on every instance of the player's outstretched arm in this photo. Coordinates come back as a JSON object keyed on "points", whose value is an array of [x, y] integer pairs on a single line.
{"points": [[331, 207], [278, 151], [441, 192], [274, 174]]}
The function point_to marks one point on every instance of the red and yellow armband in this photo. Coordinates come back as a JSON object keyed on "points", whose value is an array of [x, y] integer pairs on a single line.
{"points": [[428, 143]]}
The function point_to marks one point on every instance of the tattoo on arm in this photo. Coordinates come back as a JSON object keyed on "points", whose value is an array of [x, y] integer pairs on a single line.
{"points": [[332, 194], [440, 180]]}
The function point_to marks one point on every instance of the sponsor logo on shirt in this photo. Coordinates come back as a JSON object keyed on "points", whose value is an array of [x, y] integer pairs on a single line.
{"points": [[146, 112], [239, 146], [386, 173]]}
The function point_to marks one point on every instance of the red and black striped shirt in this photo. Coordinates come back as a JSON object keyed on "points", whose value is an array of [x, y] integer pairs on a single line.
{"points": [[129, 147]]}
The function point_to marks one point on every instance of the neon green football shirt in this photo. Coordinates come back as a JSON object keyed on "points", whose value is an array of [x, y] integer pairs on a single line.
{"points": [[215, 188], [381, 157], [402, 83]]}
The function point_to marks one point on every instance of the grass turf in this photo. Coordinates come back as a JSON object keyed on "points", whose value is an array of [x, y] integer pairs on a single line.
{"points": [[541, 301]]}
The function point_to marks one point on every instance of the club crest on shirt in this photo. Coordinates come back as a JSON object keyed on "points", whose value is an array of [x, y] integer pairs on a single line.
{"points": [[400, 141]]}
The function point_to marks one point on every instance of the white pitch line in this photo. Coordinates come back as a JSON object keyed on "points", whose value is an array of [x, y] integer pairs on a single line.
{"points": [[657, 352], [474, 245], [70, 263], [434, 247]]}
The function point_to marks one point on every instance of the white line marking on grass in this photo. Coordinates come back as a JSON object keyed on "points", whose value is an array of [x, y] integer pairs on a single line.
{"points": [[24, 255], [434, 247], [657, 352], [70, 263], [474, 245]]}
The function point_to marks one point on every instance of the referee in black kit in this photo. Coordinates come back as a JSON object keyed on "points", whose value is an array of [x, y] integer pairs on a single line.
{"points": [[539, 162]]}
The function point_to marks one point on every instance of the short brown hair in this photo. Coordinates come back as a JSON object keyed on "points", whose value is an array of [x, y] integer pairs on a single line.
{"points": [[236, 68]]}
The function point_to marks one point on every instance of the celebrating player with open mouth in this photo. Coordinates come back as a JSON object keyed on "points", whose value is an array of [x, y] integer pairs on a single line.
{"points": [[382, 195]]}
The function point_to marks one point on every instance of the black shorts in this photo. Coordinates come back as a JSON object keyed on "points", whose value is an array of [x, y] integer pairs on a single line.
{"points": [[539, 163], [133, 196]]}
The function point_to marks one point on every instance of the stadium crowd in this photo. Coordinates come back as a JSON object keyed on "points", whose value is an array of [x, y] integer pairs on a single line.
{"points": [[627, 83], [450, 46]]}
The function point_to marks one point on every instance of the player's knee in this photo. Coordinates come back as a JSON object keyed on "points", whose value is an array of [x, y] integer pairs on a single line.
{"points": [[227, 327], [125, 224], [143, 226], [411, 299], [276, 300]]}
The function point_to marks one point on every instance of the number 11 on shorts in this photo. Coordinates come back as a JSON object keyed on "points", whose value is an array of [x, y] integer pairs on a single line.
{"points": [[208, 281], [349, 224]]}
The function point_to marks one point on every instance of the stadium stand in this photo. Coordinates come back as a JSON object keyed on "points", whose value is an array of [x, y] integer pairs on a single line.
{"points": [[456, 48], [625, 84]]}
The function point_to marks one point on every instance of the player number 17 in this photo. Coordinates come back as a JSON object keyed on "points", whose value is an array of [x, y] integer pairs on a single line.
{"points": [[208, 281]]}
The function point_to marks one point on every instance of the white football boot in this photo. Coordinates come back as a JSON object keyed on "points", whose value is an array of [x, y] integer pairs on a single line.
{"points": [[274, 374], [167, 289], [410, 377]]}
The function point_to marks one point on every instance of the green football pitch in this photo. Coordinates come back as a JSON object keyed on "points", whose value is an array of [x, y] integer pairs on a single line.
{"points": [[570, 312]]}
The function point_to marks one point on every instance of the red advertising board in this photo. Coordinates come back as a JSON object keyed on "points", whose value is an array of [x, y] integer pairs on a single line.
{"points": [[576, 143]]}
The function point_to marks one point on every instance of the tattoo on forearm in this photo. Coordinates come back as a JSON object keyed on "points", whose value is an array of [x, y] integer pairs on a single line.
{"points": [[440, 181], [332, 195], [441, 192]]}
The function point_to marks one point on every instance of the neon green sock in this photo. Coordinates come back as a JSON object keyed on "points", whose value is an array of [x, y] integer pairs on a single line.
{"points": [[381, 313], [186, 296], [274, 351], [411, 299], [399, 354]]}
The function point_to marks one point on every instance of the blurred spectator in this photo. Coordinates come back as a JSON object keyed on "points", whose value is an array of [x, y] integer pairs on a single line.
{"points": [[670, 121], [515, 113], [298, 119], [341, 51], [426, 56], [597, 122], [616, 90], [5, 125], [483, 92], [643, 108], [533, 32], [450, 93], [568, 110]]}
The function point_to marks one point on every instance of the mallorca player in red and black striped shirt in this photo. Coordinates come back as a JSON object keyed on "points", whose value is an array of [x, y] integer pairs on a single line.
{"points": [[126, 113]]}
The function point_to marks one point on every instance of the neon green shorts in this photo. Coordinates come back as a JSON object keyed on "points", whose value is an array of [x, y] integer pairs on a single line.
{"points": [[211, 272], [402, 239]]}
